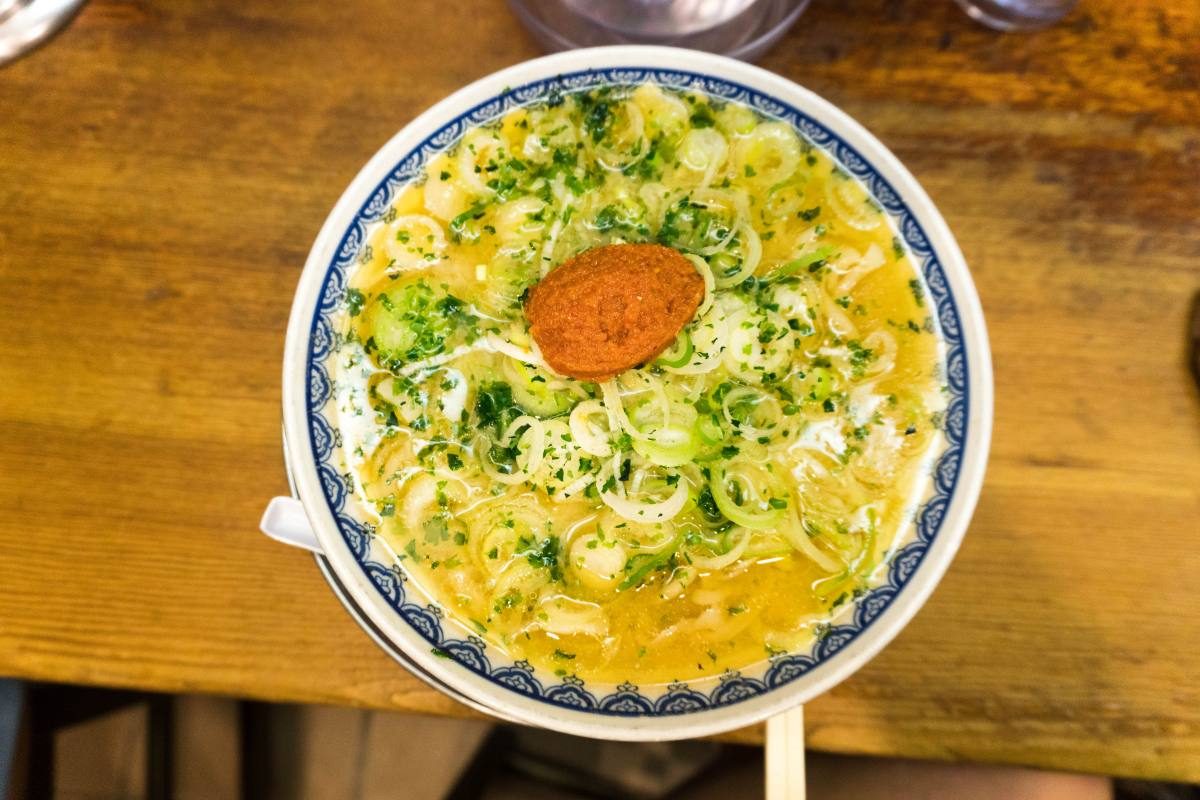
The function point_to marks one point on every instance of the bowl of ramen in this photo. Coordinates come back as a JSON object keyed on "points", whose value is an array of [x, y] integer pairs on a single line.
{"points": [[636, 393]]}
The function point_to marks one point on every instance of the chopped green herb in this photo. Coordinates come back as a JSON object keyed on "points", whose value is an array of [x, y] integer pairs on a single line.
{"points": [[546, 555], [598, 120], [702, 118], [494, 407], [918, 292], [436, 530]]}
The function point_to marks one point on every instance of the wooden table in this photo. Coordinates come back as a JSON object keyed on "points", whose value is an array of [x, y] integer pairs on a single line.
{"points": [[165, 166]]}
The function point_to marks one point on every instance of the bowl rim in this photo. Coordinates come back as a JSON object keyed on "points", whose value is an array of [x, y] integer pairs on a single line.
{"points": [[966, 312]]}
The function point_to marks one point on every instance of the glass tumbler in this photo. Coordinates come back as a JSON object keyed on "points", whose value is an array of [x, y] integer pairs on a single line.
{"points": [[1015, 15], [24, 24], [738, 28]]}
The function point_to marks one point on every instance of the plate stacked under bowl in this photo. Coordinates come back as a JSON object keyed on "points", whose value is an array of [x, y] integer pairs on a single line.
{"points": [[395, 611]]}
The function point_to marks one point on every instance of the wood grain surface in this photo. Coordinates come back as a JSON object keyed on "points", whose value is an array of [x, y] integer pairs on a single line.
{"points": [[165, 166]]}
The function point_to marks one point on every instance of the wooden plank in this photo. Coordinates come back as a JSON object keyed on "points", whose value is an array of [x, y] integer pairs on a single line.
{"points": [[164, 168]]}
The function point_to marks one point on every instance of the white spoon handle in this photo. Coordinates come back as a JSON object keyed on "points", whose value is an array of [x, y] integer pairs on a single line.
{"points": [[285, 521]]}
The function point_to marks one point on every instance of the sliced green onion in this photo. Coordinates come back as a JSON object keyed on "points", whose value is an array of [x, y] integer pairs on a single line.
{"points": [[680, 352], [731, 551], [797, 538], [709, 430], [645, 509], [735, 512], [820, 380], [752, 412], [671, 446], [537, 391], [805, 261], [640, 566]]}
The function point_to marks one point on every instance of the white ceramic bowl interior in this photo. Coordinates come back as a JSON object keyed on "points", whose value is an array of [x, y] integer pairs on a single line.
{"points": [[397, 609]]}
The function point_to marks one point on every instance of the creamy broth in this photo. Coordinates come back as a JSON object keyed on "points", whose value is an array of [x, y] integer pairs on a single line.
{"points": [[687, 517]]}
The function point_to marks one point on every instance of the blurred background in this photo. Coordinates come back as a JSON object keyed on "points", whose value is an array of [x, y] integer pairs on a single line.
{"points": [[86, 744]]}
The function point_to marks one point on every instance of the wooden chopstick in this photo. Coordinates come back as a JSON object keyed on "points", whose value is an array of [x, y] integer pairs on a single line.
{"points": [[785, 756]]}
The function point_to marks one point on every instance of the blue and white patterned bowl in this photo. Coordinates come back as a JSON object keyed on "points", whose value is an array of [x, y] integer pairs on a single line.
{"points": [[397, 609]]}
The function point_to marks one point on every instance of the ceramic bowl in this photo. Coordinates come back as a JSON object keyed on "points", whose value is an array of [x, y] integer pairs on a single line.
{"points": [[401, 617]]}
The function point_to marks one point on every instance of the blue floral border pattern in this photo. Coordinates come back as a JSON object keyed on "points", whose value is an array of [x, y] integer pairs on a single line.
{"points": [[571, 692]]}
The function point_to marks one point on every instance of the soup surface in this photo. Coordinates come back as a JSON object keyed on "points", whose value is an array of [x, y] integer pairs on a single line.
{"points": [[689, 516]]}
